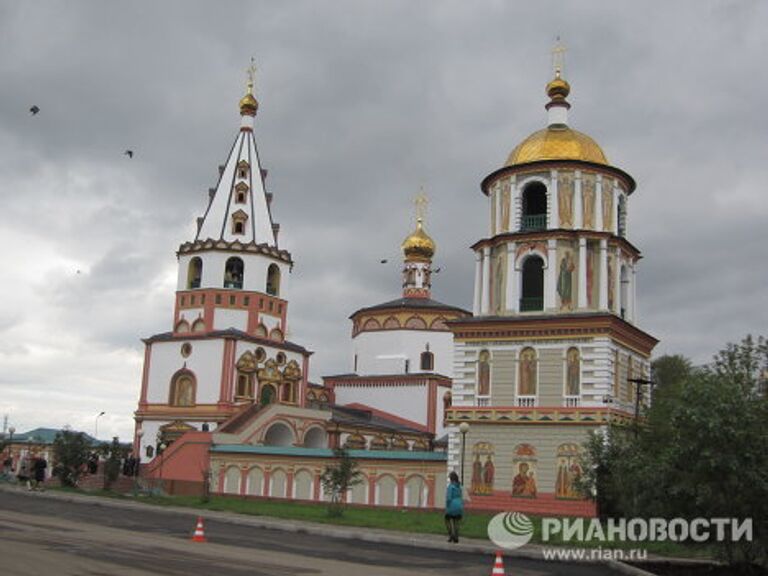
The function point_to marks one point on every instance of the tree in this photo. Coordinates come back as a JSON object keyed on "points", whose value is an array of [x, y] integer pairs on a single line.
{"points": [[114, 453], [70, 453], [338, 478], [701, 451]]}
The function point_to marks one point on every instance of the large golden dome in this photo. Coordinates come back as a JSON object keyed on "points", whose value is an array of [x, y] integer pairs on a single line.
{"points": [[557, 142], [419, 244]]}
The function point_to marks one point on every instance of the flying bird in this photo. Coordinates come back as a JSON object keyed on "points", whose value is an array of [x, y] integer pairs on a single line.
{"points": [[437, 270], [384, 261], [129, 153], [34, 110]]}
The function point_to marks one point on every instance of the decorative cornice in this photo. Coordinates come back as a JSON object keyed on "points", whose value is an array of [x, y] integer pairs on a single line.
{"points": [[234, 246], [514, 415], [559, 234], [544, 165], [553, 326]]}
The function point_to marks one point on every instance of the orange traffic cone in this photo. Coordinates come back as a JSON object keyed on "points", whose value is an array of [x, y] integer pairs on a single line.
{"points": [[498, 566], [199, 535]]}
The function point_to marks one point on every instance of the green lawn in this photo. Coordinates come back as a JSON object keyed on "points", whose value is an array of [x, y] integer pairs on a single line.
{"points": [[427, 522]]}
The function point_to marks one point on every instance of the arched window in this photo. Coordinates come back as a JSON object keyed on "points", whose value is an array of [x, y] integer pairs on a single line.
{"points": [[273, 280], [279, 434], [533, 285], [194, 273], [534, 207], [244, 385], [529, 374], [573, 373], [484, 373], [621, 216], [427, 361], [183, 388], [239, 220], [233, 273], [624, 293], [267, 395]]}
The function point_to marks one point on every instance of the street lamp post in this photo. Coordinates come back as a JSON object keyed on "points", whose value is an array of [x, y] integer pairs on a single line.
{"points": [[11, 432], [161, 449], [463, 428], [639, 383], [137, 456], [96, 425]]}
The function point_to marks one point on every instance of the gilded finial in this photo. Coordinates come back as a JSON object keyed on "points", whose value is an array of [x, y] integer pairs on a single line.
{"points": [[248, 103], [251, 72], [420, 203], [558, 88], [558, 57]]}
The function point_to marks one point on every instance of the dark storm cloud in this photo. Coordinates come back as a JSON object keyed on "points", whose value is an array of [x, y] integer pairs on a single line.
{"points": [[361, 103]]}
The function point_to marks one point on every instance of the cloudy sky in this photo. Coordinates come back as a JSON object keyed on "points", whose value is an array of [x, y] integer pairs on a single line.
{"points": [[361, 103]]}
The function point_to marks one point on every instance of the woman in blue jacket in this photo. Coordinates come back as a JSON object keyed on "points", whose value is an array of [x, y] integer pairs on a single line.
{"points": [[454, 507]]}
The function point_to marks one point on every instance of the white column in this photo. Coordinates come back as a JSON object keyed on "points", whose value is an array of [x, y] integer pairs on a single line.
{"points": [[478, 282], [550, 277], [499, 202], [515, 208], [626, 215], [599, 203], [513, 300], [582, 273], [632, 294], [578, 211], [617, 283], [485, 300], [602, 298], [554, 205], [615, 208]]}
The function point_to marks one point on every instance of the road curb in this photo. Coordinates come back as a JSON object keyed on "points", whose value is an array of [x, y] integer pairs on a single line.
{"points": [[371, 535]]}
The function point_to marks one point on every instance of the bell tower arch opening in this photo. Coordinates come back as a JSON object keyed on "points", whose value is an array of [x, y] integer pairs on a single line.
{"points": [[532, 298], [534, 215]]}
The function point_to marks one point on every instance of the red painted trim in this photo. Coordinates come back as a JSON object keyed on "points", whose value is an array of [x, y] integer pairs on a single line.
{"points": [[431, 492], [223, 388], [304, 381], [145, 374], [316, 486], [267, 481], [243, 481], [372, 488], [432, 407], [289, 484], [401, 491]]}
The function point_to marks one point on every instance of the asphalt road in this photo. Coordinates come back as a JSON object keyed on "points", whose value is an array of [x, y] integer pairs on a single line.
{"points": [[39, 535]]}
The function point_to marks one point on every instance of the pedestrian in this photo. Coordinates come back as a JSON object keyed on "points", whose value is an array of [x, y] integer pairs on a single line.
{"points": [[23, 474], [454, 507], [39, 471]]}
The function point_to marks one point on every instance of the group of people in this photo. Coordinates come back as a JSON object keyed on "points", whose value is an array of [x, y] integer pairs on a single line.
{"points": [[31, 471]]}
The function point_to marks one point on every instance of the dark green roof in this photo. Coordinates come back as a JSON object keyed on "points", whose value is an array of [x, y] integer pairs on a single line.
{"points": [[45, 436], [328, 453]]}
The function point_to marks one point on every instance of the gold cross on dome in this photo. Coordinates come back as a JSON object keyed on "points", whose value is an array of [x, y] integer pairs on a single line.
{"points": [[421, 202], [251, 71], [558, 57]]}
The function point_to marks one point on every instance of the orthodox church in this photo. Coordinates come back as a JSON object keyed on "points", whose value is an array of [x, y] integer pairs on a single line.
{"points": [[553, 346], [504, 395], [225, 400]]}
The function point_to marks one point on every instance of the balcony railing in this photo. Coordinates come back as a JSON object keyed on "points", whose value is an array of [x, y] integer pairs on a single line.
{"points": [[572, 401], [483, 401], [531, 304], [526, 401], [533, 222]]}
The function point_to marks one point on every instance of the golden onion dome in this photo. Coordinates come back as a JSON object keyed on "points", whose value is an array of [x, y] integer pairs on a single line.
{"points": [[558, 88], [248, 104], [418, 244], [557, 142]]}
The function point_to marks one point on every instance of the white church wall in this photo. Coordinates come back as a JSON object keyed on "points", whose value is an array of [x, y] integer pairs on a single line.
{"points": [[409, 402], [204, 361], [385, 351], [224, 318]]}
